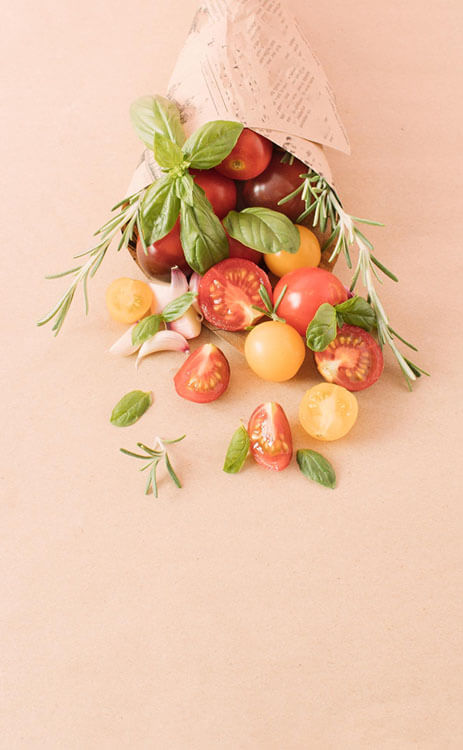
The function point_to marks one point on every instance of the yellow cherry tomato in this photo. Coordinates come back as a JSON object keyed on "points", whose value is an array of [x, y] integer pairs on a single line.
{"points": [[308, 255], [128, 300], [274, 350], [328, 411]]}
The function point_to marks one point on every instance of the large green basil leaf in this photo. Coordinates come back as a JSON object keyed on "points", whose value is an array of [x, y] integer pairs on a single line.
{"points": [[156, 114], [263, 229], [159, 210], [356, 312], [322, 329], [202, 235], [166, 152], [211, 143]]}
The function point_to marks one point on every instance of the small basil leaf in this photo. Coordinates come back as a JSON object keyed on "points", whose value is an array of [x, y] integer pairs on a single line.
{"points": [[202, 235], [322, 329], [211, 143], [263, 229], [155, 114], [130, 408], [146, 329], [177, 307], [237, 451], [166, 152], [184, 188], [315, 467], [159, 210], [356, 312]]}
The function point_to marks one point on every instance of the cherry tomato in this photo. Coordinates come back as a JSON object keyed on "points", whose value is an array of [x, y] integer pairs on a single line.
{"points": [[274, 350], [163, 254], [238, 250], [227, 292], [249, 157], [328, 411], [270, 436], [220, 192], [307, 256], [308, 288], [128, 300], [204, 376], [278, 180], [353, 359]]}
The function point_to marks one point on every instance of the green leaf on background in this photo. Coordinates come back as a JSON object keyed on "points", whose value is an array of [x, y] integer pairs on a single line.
{"points": [[159, 210], [202, 235], [356, 312], [178, 307], [130, 408], [156, 114], [146, 329], [211, 143], [237, 451], [263, 229], [166, 152], [315, 466], [322, 329]]}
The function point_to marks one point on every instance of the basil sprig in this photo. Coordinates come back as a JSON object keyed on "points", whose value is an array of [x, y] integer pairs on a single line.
{"points": [[237, 451], [314, 466], [148, 327], [202, 235], [263, 229], [159, 210], [156, 114], [323, 328], [130, 408]]}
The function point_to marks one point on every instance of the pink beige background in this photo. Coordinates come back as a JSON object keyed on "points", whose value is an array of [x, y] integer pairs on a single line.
{"points": [[256, 611]]}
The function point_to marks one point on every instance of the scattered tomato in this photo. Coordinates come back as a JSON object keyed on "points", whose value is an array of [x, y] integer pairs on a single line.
{"points": [[274, 351], [220, 191], [227, 292], [328, 411], [128, 300], [308, 288], [278, 180], [163, 254], [204, 376], [270, 436], [238, 250], [249, 157], [354, 359], [307, 256]]}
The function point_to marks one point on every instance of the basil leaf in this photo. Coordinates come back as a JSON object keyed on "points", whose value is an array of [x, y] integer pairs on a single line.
{"points": [[356, 312], [237, 451], [159, 210], [146, 329], [166, 152], [184, 188], [322, 329], [202, 235], [315, 467], [130, 408], [177, 307], [155, 114], [263, 229], [211, 143]]}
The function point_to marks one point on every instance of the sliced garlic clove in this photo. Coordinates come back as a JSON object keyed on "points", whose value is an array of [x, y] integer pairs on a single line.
{"points": [[189, 325], [163, 341], [123, 347]]}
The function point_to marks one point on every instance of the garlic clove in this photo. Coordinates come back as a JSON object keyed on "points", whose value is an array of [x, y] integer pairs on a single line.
{"points": [[193, 286], [164, 293], [163, 341], [123, 347], [189, 325]]}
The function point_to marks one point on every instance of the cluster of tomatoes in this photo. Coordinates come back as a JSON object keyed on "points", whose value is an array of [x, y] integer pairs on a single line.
{"points": [[236, 294]]}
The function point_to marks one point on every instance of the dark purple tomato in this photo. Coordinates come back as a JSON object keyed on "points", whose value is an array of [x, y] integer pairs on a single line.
{"points": [[277, 181], [163, 254]]}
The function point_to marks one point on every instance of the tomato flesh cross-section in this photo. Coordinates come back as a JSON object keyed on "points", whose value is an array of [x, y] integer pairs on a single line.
{"points": [[353, 359], [204, 376], [270, 436], [228, 291]]}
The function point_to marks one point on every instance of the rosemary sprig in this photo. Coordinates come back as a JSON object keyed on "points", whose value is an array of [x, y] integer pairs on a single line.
{"points": [[124, 221], [321, 200], [153, 456]]}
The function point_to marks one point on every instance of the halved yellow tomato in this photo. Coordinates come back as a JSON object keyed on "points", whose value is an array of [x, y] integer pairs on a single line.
{"points": [[128, 300], [328, 411]]}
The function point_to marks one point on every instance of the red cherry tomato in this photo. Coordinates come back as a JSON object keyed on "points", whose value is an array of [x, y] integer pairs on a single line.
{"points": [[354, 359], [204, 376], [308, 288], [249, 157], [238, 250], [227, 292], [163, 254], [270, 436], [220, 192], [278, 180]]}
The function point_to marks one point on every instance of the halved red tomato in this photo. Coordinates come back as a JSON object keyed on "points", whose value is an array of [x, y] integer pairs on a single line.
{"points": [[353, 359], [270, 436], [204, 376], [228, 291]]}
